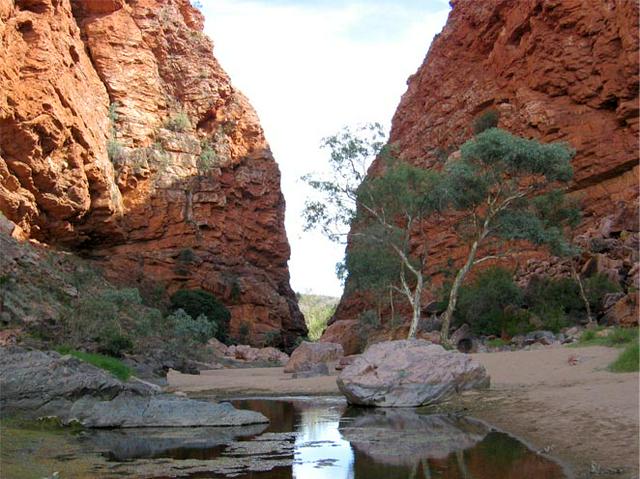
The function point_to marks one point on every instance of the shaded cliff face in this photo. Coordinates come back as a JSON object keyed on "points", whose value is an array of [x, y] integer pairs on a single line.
{"points": [[121, 137], [560, 70]]}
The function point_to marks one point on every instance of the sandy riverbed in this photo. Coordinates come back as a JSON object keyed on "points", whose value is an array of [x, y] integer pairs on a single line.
{"points": [[582, 413]]}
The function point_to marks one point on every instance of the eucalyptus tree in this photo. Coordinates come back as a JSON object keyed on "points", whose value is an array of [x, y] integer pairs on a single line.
{"points": [[509, 188], [381, 213]]}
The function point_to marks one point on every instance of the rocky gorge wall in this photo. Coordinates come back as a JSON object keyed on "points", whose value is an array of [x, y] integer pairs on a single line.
{"points": [[122, 138], [554, 70]]}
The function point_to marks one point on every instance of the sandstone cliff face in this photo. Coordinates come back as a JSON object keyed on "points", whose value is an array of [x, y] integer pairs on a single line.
{"points": [[121, 137], [555, 70]]}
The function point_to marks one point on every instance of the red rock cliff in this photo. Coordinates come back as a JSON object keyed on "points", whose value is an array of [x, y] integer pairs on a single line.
{"points": [[121, 137], [555, 70]]}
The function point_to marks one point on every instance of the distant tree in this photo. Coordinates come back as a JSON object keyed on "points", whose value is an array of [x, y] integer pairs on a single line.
{"points": [[509, 188], [381, 211]]}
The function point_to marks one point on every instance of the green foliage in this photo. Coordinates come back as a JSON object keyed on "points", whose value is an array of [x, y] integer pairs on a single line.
{"points": [[186, 256], [371, 265], [558, 301], [317, 311], [496, 343], [113, 365], [596, 287], [115, 151], [114, 343], [100, 318], [381, 211], [178, 122], [197, 302], [188, 329], [490, 304], [113, 113], [628, 361], [208, 158], [486, 120], [616, 337], [495, 152], [272, 338], [334, 207]]}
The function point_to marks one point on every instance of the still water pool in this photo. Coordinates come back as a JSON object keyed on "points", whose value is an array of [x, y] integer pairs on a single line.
{"points": [[307, 438]]}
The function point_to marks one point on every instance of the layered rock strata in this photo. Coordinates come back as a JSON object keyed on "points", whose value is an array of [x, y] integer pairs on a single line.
{"points": [[561, 70], [121, 137]]}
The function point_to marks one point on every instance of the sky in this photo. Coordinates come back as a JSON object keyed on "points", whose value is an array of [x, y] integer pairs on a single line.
{"points": [[309, 68]]}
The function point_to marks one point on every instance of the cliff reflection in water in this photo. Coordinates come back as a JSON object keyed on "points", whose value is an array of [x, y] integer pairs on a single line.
{"points": [[339, 442]]}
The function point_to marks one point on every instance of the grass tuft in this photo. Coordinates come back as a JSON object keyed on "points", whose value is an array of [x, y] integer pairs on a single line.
{"points": [[496, 343], [628, 361], [108, 363], [616, 338]]}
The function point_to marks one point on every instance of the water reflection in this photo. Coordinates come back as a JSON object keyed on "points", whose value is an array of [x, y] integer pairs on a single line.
{"points": [[177, 443], [322, 438]]}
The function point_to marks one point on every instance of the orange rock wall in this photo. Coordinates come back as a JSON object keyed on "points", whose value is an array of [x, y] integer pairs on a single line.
{"points": [[555, 70], [150, 209]]}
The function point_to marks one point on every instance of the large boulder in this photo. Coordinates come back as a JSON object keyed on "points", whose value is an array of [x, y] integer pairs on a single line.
{"points": [[38, 384], [344, 332], [308, 355], [409, 373]]}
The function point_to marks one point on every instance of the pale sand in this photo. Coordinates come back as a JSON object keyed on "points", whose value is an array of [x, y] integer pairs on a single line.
{"points": [[583, 413]]}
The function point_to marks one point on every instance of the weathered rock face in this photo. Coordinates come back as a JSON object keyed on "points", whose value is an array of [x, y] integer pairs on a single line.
{"points": [[122, 137], [38, 384], [409, 373], [562, 70]]}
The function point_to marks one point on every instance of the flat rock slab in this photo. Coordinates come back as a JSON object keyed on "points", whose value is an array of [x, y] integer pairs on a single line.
{"points": [[158, 411], [37, 384], [409, 373]]}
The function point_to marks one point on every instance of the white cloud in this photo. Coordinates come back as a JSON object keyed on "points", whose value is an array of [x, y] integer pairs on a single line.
{"points": [[310, 68]]}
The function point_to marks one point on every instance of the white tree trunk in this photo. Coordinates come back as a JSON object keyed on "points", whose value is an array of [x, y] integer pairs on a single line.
{"points": [[453, 295], [416, 305]]}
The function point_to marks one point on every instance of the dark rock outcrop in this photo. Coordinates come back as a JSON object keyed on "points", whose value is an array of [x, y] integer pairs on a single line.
{"points": [[38, 384]]}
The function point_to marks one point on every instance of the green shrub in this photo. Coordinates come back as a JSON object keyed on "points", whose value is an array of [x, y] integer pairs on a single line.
{"points": [[197, 302], [554, 319], [113, 365], [187, 256], [628, 360], [189, 329], [490, 303], [114, 343], [179, 122], [105, 319], [115, 151], [486, 120], [272, 338], [496, 343], [559, 300], [207, 159], [596, 287]]}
